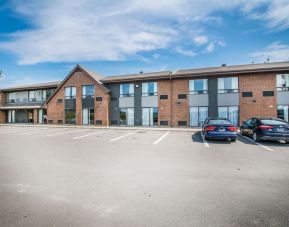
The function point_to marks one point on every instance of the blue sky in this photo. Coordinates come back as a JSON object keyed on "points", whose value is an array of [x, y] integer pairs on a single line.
{"points": [[43, 40]]}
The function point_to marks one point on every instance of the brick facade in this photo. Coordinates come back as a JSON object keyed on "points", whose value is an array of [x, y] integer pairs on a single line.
{"points": [[55, 110], [164, 105], [2, 112], [257, 105], [180, 107]]}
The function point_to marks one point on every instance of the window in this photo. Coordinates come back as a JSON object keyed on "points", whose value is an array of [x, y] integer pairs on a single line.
{"points": [[164, 123], [87, 116], [88, 91], [126, 116], [35, 96], [17, 97], [228, 85], [283, 112], [47, 93], [268, 93], [113, 99], [98, 99], [182, 96], [59, 101], [70, 92], [162, 97], [149, 116], [229, 112], [126, 90], [182, 123], [198, 115], [11, 97], [198, 86], [70, 116], [149, 89], [247, 94], [282, 82]]}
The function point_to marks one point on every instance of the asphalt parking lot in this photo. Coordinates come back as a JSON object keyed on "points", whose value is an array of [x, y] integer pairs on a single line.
{"points": [[117, 177]]}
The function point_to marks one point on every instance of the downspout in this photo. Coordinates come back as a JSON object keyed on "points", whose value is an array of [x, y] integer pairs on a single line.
{"points": [[171, 94]]}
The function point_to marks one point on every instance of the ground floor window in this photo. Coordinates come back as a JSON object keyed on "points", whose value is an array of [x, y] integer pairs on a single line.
{"points": [[282, 112], [11, 116], [70, 116], [198, 114], [229, 112], [126, 116], [149, 116], [88, 116]]}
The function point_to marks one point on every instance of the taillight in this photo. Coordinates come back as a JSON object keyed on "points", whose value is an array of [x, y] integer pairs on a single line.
{"points": [[232, 128], [210, 128], [265, 127]]}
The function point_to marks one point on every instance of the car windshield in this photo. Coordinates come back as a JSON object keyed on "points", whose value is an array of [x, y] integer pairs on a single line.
{"points": [[219, 122], [272, 122]]}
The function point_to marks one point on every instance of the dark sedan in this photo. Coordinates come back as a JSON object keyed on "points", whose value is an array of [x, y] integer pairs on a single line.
{"points": [[219, 128], [266, 129]]}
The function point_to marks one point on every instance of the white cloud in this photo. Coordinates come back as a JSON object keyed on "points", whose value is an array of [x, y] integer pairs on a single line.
{"points": [[90, 30], [185, 52], [212, 46], [200, 40], [275, 52]]}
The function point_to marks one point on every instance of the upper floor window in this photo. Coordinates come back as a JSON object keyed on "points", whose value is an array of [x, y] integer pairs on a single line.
{"points": [[149, 89], [70, 92], [282, 83], [198, 86], [126, 90], [47, 93], [35, 96], [228, 85], [17, 97], [88, 91]]}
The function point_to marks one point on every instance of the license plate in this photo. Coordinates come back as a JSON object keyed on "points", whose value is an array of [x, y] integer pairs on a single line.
{"points": [[221, 130]]}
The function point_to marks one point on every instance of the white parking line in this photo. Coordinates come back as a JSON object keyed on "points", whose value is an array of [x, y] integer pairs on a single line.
{"points": [[95, 133], [204, 141], [159, 139], [65, 132], [260, 145], [118, 138]]}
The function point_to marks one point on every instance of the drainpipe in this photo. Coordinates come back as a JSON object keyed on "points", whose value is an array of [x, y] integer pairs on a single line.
{"points": [[171, 94]]}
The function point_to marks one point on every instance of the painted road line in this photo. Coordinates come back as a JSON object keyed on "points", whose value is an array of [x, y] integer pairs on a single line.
{"points": [[65, 132], [31, 132], [162, 137], [95, 133], [118, 138], [205, 142], [260, 145]]}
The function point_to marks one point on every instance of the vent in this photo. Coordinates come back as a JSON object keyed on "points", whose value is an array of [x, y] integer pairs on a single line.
{"points": [[59, 100], [164, 123], [98, 122], [98, 99], [182, 96], [60, 122], [268, 93], [182, 123], [247, 94], [162, 97]]}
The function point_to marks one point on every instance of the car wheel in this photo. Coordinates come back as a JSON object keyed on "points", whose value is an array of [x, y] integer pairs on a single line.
{"points": [[256, 137], [287, 141]]}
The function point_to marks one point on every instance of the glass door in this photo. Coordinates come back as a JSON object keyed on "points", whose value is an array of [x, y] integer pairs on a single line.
{"points": [[87, 116], [198, 114]]}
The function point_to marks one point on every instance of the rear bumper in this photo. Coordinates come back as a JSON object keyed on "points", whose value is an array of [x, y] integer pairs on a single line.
{"points": [[221, 135]]}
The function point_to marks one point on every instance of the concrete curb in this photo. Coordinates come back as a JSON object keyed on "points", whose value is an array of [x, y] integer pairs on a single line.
{"points": [[109, 127]]}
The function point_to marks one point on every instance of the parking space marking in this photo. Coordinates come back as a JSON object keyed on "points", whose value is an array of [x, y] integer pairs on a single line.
{"points": [[205, 142], [65, 132], [83, 136], [259, 144], [162, 137], [118, 138]]}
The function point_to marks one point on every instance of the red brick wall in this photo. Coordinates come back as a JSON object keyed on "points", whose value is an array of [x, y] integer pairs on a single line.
{"points": [[180, 107], [257, 105], [2, 112], [55, 111], [164, 106]]}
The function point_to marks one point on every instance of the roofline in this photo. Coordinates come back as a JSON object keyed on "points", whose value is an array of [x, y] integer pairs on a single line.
{"points": [[68, 76], [32, 86]]}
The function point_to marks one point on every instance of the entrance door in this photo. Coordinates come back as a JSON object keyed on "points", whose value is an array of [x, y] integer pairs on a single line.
{"points": [[87, 116], [149, 116], [11, 116]]}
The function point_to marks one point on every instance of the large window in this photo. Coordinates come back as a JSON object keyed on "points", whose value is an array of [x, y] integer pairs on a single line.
{"points": [[88, 116], [198, 86], [229, 112], [282, 112], [35, 96], [70, 92], [150, 116], [149, 89], [282, 82], [126, 90], [88, 91], [126, 116], [70, 116], [16, 97], [228, 85], [198, 114]]}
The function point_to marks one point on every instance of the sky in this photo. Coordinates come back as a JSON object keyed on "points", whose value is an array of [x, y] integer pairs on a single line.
{"points": [[42, 41]]}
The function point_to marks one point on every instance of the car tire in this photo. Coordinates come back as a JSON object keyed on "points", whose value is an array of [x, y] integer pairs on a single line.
{"points": [[287, 141], [256, 137]]}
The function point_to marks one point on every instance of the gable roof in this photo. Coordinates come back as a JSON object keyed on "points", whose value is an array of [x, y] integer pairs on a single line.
{"points": [[96, 77]]}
